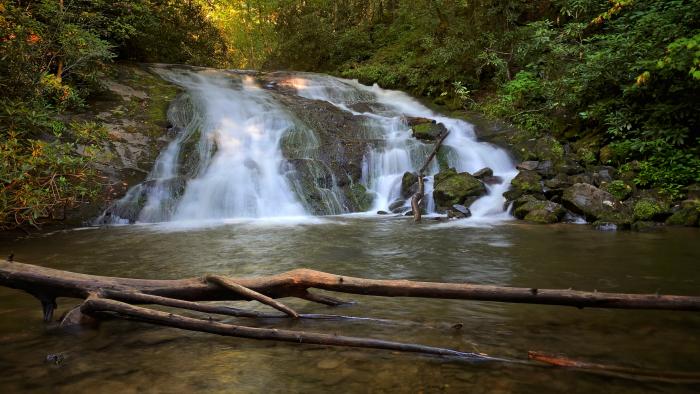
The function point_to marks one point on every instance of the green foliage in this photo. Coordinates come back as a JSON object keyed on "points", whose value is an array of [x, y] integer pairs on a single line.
{"points": [[619, 189], [646, 209]]}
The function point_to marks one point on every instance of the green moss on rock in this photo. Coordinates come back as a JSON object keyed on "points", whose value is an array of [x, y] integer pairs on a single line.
{"points": [[456, 188], [619, 189]]}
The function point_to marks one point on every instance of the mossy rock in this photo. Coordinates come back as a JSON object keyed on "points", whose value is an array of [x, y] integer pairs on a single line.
{"points": [[361, 198], [526, 182], [409, 183], [688, 215], [538, 211], [594, 204], [548, 148], [649, 209], [456, 188], [619, 189], [428, 131]]}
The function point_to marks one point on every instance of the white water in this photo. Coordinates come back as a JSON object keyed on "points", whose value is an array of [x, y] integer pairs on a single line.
{"points": [[384, 167], [230, 131]]}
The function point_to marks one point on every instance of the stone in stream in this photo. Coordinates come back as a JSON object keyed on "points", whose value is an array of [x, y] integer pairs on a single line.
{"points": [[483, 173], [537, 211], [409, 184], [492, 180], [425, 129], [595, 204], [382, 213], [458, 212], [526, 182], [453, 188], [397, 206]]}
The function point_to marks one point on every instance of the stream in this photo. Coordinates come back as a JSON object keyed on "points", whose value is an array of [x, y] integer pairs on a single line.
{"points": [[131, 357]]}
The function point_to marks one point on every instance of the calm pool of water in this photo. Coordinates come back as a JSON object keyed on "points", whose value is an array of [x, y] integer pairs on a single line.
{"points": [[130, 357]]}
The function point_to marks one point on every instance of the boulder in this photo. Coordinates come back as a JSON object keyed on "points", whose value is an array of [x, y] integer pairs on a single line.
{"points": [[492, 180], [452, 188], [546, 168], [526, 182], [426, 129], [594, 204], [409, 184], [382, 213], [458, 212], [620, 189], [529, 165], [688, 214], [538, 211], [483, 173], [397, 206]]}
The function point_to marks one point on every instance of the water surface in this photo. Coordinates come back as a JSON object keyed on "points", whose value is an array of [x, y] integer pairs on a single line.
{"points": [[134, 357]]}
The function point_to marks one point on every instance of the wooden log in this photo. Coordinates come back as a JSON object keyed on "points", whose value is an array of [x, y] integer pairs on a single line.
{"points": [[96, 305], [48, 283]]}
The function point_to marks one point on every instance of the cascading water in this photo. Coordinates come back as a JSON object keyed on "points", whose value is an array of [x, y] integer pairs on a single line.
{"points": [[246, 151], [384, 167]]}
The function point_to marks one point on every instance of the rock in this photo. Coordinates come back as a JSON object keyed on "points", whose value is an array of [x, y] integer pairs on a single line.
{"points": [[692, 192], [537, 211], [416, 120], [581, 178], [603, 175], [619, 189], [645, 226], [530, 165], [397, 205], [526, 182], [382, 213], [458, 212], [688, 214], [428, 131], [409, 184], [605, 226], [650, 209], [548, 148], [546, 169], [483, 173], [492, 180], [594, 204], [560, 181], [452, 188], [570, 168]]}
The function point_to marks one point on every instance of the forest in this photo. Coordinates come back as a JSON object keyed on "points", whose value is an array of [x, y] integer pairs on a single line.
{"points": [[617, 78]]}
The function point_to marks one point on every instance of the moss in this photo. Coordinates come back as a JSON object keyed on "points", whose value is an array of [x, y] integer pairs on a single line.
{"points": [[619, 189], [527, 182], [428, 131], [647, 209], [456, 188], [359, 195], [687, 215]]}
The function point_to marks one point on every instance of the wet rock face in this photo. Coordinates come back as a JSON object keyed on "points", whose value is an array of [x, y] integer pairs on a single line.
{"points": [[326, 150], [538, 211], [456, 188], [409, 184]]}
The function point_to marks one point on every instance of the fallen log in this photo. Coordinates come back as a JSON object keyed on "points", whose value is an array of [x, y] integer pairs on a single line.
{"points": [[47, 284], [117, 297]]}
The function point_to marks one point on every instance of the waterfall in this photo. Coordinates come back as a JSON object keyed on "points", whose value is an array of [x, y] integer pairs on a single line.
{"points": [[384, 167], [254, 146]]}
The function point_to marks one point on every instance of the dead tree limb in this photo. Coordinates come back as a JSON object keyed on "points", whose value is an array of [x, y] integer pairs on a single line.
{"points": [[49, 284], [418, 196], [251, 294], [96, 305], [116, 296]]}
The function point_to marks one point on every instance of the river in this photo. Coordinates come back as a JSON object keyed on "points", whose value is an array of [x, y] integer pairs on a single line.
{"points": [[130, 357]]}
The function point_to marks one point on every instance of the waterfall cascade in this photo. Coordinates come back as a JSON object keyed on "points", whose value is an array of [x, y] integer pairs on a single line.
{"points": [[244, 149]]}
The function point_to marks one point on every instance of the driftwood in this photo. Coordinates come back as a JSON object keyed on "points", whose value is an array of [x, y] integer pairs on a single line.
{"points": [[417, 198], [120, 297]]}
